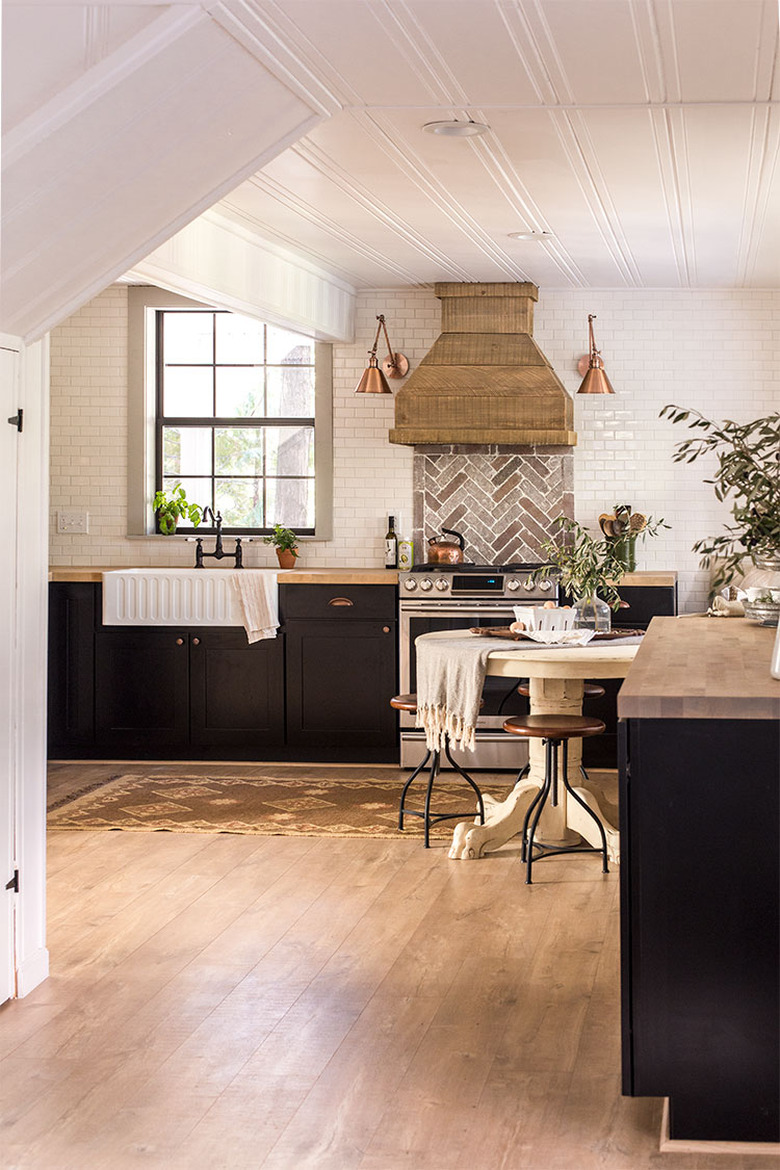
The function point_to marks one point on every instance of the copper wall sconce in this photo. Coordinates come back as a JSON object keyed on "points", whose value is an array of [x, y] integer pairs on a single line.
{"points": [[595, 380], [395, 365]]}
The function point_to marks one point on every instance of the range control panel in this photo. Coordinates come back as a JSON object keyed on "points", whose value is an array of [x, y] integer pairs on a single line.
{"points": [[452, 584]]}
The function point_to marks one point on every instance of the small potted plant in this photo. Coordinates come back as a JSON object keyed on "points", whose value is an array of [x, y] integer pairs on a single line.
{"points": [[589, 569], [748, 471], [285, 542], [170, 505]]}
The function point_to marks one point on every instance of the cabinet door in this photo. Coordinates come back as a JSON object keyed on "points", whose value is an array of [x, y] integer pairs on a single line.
{"points": [[141, 691], [340, 679], [236, 692], [71, 689]]}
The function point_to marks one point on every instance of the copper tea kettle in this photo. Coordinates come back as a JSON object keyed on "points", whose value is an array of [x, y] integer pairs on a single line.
{"points": [[446, 552]]}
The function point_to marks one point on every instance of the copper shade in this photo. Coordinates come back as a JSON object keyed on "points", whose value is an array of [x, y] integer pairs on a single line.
{"points": [[373, 380], [395, 365], [595, 380]]}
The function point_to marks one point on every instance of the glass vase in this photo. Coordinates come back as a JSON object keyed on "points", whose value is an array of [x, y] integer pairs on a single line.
{"points": [[592, 613], [759, 590]]}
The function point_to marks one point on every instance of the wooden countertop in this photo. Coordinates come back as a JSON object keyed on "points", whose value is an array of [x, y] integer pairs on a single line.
{"points": [[317, 576], [649, 577], [94, 573], [702, 668]]}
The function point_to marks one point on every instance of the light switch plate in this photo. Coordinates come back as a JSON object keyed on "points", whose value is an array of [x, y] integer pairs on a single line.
{"points": [[72, 522]]}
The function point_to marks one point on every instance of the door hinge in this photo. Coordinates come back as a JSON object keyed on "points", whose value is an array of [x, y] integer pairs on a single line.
{"points": [[14, 882], [17, 420]]}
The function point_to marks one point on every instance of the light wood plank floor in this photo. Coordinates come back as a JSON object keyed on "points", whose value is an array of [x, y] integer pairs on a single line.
{"points": [[287, 1003]]}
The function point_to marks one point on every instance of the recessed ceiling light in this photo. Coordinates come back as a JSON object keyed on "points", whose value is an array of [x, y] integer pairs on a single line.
{"points": [[531, 236], [456, 129]]}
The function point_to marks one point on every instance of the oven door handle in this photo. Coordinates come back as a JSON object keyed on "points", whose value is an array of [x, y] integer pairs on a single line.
{"points": [[468, 613]]}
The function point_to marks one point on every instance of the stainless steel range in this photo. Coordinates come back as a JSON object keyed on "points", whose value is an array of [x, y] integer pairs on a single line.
{"points": [[456, 597]]}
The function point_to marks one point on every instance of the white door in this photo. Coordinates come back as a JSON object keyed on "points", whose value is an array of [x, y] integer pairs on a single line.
{"points": [[9, 440]]}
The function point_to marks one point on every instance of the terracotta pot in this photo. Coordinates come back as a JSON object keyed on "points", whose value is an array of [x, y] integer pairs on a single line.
{"points": [[286, 557]]}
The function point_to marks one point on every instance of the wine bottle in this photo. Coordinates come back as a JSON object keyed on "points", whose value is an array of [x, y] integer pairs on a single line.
{"points": [[391, 545]]}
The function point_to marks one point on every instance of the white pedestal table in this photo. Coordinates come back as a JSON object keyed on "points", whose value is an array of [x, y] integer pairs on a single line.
{"points": [[556, 676]]}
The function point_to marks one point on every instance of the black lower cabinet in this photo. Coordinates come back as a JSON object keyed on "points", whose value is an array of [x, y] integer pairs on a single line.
{"points": [[339, 683], [204, 693], [141, 691], [236, 693], [341, 672], [700, 925], [319, 691], [73, 612]]}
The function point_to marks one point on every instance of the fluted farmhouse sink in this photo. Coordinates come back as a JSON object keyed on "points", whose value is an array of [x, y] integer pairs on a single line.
{"points": [[171, 597]]}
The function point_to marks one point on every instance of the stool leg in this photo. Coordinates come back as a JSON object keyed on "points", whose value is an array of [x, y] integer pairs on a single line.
{"points": [[468, 780], [428, 794], [553, 744], [544, 794], [526, 819], [408, 785], [590, 812], [584, 774]]}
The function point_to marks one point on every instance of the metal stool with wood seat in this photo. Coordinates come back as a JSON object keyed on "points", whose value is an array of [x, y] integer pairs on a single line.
{"points": [[590, 691], [555, 731], [432, 761]]}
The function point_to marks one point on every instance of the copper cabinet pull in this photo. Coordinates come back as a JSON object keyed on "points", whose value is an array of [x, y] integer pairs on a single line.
{"points": [[179, 641], [385, 629], [196, 641], [340, 601]]}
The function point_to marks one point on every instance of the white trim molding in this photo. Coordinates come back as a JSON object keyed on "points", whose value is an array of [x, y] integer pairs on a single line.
{"points": [[219, 262]]}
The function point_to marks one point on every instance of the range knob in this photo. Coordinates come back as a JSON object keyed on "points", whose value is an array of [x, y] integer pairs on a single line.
{"points": [[528, 585], [545, 585], [426, 584], [410, 584], [513, 584], [442, 584]]}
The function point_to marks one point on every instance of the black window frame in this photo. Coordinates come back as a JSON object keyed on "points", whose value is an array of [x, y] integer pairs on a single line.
{"points": [[215, 422]]}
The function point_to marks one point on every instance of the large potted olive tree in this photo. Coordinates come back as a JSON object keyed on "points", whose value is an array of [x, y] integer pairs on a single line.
{"points": [[748, 474]]}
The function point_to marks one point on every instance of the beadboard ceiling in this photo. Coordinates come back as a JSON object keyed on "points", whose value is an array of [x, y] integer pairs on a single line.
{"points": [[642, 134]]}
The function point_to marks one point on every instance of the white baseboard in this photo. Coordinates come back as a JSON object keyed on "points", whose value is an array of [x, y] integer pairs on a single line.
{"points": [[683, 1146], [32, 972]]}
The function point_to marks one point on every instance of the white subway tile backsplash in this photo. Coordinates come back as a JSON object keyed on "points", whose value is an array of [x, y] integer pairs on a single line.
{"points": [[715, 350]]}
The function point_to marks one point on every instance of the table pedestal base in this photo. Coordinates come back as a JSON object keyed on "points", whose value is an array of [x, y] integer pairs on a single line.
{"points": [[558, 826]]}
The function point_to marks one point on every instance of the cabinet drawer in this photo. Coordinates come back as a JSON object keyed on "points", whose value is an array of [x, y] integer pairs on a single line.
{"points": [[340, 602]]}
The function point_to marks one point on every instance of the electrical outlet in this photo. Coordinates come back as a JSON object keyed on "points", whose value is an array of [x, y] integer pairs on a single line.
{"points": [[73, 522]]}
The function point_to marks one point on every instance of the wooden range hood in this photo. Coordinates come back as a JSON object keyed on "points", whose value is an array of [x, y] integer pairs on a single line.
{"points": [[485, 380]]}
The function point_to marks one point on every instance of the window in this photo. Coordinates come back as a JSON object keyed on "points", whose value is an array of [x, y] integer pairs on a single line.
{"points": [[235, 418], [236, 410]]}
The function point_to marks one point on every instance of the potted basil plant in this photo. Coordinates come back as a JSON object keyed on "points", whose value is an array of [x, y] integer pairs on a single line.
{"points": [[170, 504], [285, 542]]}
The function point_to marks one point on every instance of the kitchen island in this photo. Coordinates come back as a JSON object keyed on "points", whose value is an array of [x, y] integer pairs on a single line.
{"points": [[700, 875]]}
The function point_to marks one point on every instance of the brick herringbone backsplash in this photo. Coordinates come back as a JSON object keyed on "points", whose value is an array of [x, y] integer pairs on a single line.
{"points": [[502, 499]]}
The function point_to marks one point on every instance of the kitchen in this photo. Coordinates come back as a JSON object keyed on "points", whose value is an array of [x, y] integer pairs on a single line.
{"points": [[659, 343]]}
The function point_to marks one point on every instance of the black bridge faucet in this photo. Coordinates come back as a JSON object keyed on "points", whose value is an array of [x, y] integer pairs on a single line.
{"points": [[218, 553]]}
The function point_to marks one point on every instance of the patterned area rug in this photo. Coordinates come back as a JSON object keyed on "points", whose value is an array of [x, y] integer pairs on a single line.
{"points": [[268, 806]]}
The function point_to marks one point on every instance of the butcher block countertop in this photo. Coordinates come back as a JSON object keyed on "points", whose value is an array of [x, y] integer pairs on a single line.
{"points": [[95, 573], [702, 668], [313, 576]]}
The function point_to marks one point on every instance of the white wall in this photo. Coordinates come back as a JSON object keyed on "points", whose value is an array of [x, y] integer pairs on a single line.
{"points": [[718, 351]]}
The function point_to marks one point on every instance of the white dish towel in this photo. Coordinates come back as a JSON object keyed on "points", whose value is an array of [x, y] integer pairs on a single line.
{"points": [[258, 596]]}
